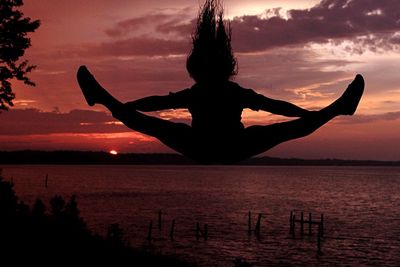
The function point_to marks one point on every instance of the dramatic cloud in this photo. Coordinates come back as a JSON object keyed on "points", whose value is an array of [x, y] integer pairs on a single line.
{"points": [[176, 21], [390, 116], [33, 121], [367, 23], [140, 46], [36, 122], [338, 20]]}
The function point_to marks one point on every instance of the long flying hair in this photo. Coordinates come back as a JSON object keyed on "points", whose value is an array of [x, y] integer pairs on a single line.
{"points": [[211, 58]]}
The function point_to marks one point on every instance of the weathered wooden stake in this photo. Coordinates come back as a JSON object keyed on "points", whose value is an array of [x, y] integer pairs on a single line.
{"points": [[309, 223], [249, 224], [291, 222], [302, 224], [205, 234], [258, 225], [294, 226], [159, 220], [171, 232], [197, 231], [319, 237], [322, 224], [149, 232]]}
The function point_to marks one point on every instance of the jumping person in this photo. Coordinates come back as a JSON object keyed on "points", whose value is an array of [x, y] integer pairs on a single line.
{"points": [[215, 103]]}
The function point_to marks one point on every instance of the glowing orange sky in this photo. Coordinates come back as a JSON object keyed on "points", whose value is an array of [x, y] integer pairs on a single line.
{"points": [[138, 48]]}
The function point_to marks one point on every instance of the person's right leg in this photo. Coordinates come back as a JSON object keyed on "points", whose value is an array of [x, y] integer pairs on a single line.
{"points": [[177, 136]]}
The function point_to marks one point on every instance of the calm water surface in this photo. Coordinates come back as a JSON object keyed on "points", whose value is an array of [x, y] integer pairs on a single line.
{"points": [[361, 207]]}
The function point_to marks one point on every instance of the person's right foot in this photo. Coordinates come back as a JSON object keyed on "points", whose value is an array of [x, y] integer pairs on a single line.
{"points": [[348, 102], [91, 89]]}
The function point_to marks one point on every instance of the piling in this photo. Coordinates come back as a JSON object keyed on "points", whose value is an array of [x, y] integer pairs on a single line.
{"points": [[294, 226], [322, 224], [291, 222], [205, 234], [319, 238], [171, 232], [249, 224], [309, 223], [257, 229], [197, 231], [149, 232], [302, 224], [159, 220]]}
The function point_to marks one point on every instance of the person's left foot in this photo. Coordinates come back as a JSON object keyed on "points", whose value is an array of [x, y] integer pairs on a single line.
{"points": [[91, 89], [348, 102]]}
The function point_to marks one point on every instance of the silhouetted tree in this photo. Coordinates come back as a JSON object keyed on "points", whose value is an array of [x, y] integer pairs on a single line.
{"points": [[36, 237], [8, 198], [38, 209], [14, 28], [115, 234], [57, 204]]}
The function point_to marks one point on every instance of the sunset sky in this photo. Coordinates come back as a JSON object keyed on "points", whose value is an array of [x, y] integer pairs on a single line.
{"points": [[302, 51]]}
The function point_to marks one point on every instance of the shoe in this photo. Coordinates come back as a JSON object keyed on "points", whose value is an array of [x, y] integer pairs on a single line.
{"points": [[348, 102], [88, 84]]}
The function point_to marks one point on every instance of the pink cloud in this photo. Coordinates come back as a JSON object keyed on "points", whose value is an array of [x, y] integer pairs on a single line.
{"points": [[367, 22]]}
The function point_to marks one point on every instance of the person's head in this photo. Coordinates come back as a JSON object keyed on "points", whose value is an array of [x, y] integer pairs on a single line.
{"points": [[211, 58]]}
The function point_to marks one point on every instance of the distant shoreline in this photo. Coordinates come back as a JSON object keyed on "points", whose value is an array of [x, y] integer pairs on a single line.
{"points": [[105, 158]]}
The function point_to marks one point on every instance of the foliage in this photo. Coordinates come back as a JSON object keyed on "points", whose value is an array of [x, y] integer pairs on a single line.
{"points": [[58, 236], [14, 29]]}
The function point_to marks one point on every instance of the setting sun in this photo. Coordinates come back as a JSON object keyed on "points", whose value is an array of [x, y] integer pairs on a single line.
{"points": [[113, 152]]}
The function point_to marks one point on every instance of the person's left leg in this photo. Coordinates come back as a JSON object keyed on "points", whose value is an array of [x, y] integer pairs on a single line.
{"points": [[258, 139]]}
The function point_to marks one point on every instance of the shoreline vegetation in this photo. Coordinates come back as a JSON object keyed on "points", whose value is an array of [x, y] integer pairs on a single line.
{"points": [[54, 234], [64, 157]]}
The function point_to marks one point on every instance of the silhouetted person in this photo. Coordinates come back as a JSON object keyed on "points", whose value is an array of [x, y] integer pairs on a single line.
{"points": [[216, 103]]}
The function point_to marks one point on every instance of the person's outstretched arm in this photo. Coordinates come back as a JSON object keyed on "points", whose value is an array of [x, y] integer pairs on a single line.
{"points": [[257, 102], [154, 103]]}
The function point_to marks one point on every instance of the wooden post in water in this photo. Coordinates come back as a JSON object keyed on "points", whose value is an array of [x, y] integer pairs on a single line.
{"points": [[197, 231], [257, 230], [205, 234], [171, 232], [319, 238], [149, 232], [322, 224], [291, 222], [302, 224], [309, 223], [159, 220], [294, 226], [249, 224]]}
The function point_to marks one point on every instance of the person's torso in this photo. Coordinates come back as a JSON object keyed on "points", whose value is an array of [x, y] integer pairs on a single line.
{"points": [[216, 109]]}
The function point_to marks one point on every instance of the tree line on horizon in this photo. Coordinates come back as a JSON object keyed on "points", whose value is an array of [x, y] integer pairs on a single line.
{"points": [[105, 158]]}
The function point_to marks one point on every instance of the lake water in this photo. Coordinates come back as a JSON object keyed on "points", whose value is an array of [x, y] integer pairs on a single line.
{"points": [[361, 207]]}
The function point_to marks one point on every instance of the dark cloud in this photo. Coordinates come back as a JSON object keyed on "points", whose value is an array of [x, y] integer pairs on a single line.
{"points": [[389, 116], [18, 122], [34, 121], [143, 46], [166, 23], [368, 23], [330, 19]]}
